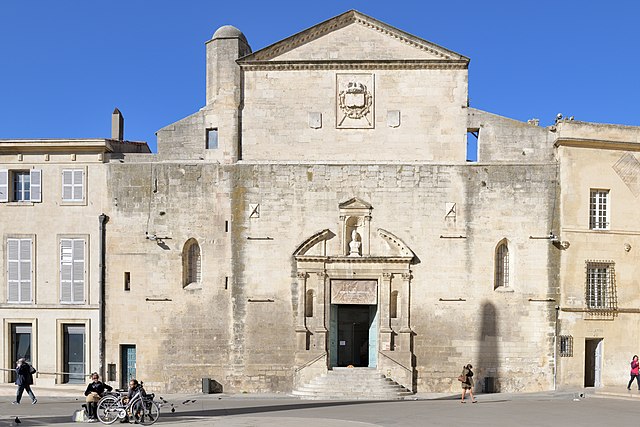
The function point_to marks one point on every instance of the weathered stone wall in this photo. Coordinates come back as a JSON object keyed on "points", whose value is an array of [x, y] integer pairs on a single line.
{"points": [[432, 118], [244, 336]]}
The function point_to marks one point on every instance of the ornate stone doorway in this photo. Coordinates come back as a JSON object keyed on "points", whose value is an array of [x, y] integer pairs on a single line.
{"points": [[353, 299]]}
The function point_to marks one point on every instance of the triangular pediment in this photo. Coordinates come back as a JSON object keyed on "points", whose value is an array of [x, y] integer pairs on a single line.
{"points": [[353, 36], [354, 203]]}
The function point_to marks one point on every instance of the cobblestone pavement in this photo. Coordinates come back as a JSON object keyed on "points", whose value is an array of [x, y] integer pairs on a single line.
{"points": [[617, 408]]}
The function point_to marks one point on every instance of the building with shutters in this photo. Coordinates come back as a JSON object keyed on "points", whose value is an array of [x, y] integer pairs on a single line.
{"points": [[52, 200]]}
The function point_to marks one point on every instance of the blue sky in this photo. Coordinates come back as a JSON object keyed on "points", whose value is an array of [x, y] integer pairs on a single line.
{"points": [[65, 65]]}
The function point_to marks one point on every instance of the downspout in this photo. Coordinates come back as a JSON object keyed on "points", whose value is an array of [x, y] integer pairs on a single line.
{"points": [[101, 333]]}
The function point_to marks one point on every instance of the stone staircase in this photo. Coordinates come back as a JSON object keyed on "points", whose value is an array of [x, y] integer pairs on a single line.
{"points": [[352, 384]]}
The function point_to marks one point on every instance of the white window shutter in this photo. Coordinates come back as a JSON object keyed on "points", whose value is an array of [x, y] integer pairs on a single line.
{"points": [[78, 181], [78, 270], [4, 185], [67, 185], [25, 270], [13, 270], [36, 185], [66, 269]]}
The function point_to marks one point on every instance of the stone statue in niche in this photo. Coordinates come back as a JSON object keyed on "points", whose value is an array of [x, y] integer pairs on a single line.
{"points": [[355, 244]]}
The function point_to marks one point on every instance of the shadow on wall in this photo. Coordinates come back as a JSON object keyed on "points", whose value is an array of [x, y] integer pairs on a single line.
{"points": [[488, 360]]}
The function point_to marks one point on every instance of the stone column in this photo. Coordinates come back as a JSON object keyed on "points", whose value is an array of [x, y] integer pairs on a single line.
{"points": [[320, 312], [301, 329], [385, 321], [404, 335], [366, 238]]}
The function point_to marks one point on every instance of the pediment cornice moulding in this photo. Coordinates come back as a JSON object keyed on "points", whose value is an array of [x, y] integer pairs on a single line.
{"points": [[354, 65]]}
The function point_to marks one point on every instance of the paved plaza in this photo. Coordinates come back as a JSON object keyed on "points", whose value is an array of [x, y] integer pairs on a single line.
{"points": [[607, 407]]}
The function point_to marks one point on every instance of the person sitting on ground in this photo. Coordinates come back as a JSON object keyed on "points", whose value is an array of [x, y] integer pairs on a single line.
{"points": [[95, 390]]}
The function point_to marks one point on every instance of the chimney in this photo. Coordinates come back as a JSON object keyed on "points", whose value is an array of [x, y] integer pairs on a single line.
{"points": [[117, 125]]}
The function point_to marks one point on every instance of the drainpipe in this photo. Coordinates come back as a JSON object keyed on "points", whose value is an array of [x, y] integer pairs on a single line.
{"points": [[103, 237], [555, 351]]}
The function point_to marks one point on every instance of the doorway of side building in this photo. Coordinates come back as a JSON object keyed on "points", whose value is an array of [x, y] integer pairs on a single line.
{"points": [[354, 335], [20, 345], [128, 364], [593, 362], [73, 354]]}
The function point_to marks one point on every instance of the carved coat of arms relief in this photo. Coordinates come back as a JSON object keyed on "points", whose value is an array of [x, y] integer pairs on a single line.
{"points": [[354, 101]]}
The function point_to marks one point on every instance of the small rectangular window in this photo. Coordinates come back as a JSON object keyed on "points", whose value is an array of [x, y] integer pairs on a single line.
{"points": [[566, 346], [599, 210], [20, 185], [127, 281], [212, 139], [73, 185]]}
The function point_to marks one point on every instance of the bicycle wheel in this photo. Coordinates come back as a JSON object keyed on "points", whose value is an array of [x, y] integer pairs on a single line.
{"points": [[150, 413], [108, 410]]}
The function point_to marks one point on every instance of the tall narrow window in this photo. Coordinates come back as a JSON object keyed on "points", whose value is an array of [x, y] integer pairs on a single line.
{"points": [[191, 264], [599, 210], [127, 281], [600, 292], [21, 186], [308, 304], [73, 354], [472, 144], [501, 279], [73, 185], [20, 343], [212, 139], [19, 266], [393, 305], [72, 262]]}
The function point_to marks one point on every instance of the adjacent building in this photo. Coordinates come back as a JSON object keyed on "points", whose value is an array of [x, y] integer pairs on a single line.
{"points": [[52, 204]]}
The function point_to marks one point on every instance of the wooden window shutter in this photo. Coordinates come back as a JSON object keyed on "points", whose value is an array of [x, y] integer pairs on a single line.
{"points": [[36, 185]]}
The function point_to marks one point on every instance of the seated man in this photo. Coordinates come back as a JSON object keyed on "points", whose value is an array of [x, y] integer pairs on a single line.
{"points": [[95, 390]]}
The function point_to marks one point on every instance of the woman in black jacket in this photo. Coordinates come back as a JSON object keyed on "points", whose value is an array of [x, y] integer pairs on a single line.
{"points": [[24, 379], [95, 390]]}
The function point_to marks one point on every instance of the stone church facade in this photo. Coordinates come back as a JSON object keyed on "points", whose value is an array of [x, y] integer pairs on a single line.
{"points": [[320, 211]]}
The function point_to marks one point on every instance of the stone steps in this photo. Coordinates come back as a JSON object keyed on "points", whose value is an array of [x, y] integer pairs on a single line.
{"points": [[352, 384]]}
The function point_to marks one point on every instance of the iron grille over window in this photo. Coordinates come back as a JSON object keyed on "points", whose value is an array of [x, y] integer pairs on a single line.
{"points": [[566, 346], [600, 289], [599, 210]]}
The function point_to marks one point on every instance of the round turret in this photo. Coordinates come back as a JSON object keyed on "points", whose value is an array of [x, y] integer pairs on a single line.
{"points": [[229, 32]]}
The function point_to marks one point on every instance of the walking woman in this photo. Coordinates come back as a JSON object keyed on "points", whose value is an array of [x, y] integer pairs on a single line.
{"points": [[634, 373], [467, 384], [24, 380]]}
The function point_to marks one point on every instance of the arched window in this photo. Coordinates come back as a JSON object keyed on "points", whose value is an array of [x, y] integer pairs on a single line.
{"points": [[501, 278], [308, 304], [191, 264]]}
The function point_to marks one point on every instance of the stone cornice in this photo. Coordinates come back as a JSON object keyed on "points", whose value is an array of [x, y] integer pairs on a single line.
{"points": [[597, 143], [55, 145], [342, 21], [392, 64], [355, 260]]}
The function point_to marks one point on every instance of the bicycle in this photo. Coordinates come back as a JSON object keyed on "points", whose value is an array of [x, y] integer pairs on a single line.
{"points": [[141, 409]]}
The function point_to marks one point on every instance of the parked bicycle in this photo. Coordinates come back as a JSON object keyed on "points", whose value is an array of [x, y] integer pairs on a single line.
{"points": [[140, 408]]}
